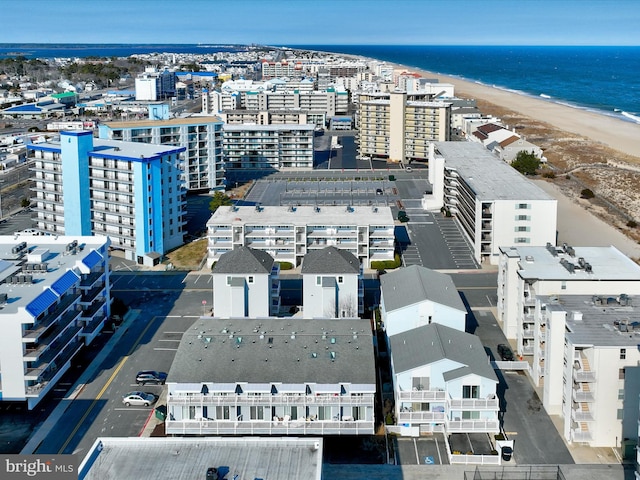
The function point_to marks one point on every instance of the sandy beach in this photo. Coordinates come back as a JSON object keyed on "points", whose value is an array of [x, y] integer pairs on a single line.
{"points": [[615, 133]]}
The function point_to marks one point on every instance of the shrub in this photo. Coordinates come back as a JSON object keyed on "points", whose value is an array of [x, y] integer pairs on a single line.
{"points": [[632, 224], [386, 264], [587, 193], [549, 174], [286, 265]]}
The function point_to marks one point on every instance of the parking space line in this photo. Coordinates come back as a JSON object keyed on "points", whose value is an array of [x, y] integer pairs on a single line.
{"points": [[438, 450], [415, 447]]}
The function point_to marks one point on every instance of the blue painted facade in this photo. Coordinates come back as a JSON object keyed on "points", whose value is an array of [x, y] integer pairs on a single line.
{"points": [[74, 149]]}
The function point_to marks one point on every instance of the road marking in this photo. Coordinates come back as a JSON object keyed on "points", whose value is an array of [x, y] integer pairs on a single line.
{"points": [[415, 447], [167, 349], [104, 388], [438, 449]]}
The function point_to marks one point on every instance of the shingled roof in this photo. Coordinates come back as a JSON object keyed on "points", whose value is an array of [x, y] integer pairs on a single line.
{"points": [[330, 260], [244, 260]]}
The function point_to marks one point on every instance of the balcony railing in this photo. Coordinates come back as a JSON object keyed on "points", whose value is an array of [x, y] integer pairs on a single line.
{"points": [[582, 376], [474, 404], [271, 400], [422, 396], [263, 427], [421, 417], [581, 435], [463, 426]]}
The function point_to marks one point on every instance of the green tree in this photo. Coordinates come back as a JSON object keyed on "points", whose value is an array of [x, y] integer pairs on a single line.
{"points": [[219, 199], [587, 193], [526, 163]]}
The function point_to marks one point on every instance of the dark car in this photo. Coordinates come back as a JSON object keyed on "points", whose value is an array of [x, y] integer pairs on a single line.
{"points": [[379, 191], [402, 216], [505, 352], [150, 376]]}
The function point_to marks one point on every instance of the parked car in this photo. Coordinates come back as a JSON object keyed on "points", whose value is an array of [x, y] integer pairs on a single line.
{"points": [[138, 398], [150, 376], [379, 191], [408, 169], [402, 216], [505, 352]]}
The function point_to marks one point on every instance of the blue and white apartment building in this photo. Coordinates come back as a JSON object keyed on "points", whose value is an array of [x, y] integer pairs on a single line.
{"points": [[201, 136], [54, 299], [132, 192]]}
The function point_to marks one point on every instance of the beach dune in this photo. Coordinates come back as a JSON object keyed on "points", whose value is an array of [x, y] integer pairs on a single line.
{"points": [[616, 133]]}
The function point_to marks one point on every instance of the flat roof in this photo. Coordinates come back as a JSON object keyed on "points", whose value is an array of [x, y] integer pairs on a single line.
{"points": [[322, 351], [117, 149], [488, 176], [148, 458], [302, 215], [596, 320], [50, 249], [540, 263], [164, 123]]}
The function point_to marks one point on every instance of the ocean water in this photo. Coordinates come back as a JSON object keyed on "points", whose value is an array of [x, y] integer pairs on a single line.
{"points": [[601, 79]]}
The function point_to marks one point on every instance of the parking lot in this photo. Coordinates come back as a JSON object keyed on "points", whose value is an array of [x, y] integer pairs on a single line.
{"points": [[420, 451]]}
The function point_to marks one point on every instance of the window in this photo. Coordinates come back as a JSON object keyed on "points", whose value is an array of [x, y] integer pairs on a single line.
{"points": [[522, 229], [250, 279], [621, 394], [340, 279], [318, 280], [623, 353], [228, 280], [621, 374], [563, 285], [620, 415], [523, 206], [475, 415], [256, 413], [222, 413], [521, 240], [522, 217], [470, 391]]}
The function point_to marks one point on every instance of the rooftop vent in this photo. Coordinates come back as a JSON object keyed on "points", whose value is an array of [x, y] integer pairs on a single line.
{"points": [[552, 250]]}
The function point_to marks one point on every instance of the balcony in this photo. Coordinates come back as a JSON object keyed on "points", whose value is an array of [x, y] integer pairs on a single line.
{"points": [[45, 371], [420, 417], [581, 435], [467, 404], [468, 426], [265, 427], [272, 400], [38, 329], [421, 396], [90, 296], [583, 396]]}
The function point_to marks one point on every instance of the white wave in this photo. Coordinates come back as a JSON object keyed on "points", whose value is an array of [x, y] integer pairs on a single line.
{"points": [[544, 95], [635, 118]]}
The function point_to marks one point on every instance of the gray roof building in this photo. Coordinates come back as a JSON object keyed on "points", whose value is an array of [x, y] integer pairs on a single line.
{"points": [[261, 350], [431, 343], [244, 260], [410, 285], [330, 260]]}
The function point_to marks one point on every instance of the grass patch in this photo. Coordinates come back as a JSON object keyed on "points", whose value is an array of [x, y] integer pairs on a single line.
{"points": [[190, 255]]}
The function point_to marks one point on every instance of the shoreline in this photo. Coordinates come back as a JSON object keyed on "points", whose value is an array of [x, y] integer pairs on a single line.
{"points": [[619, 134], [606, 129]]}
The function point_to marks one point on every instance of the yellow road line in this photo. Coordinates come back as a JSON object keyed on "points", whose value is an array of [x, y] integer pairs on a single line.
{"points": [[104, 389]]}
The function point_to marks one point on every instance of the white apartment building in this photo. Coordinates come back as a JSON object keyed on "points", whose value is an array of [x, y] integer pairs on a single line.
{"points": [[289, 233], [494, 204], [332, 284], [54, 299], [525, 272], [274, 117], [200, 136], [331, 101], [273, 376], [246, 283], [132, 192], [398, 126], [586, 345], [277, 147], [443, 381], [415, 296]]}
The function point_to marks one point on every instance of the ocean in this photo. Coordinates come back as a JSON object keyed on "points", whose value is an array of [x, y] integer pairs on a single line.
{"points": [[600, 79]]}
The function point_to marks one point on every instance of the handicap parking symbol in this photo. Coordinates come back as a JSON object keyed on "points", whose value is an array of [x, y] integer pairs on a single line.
{"points": [[429, 461]]}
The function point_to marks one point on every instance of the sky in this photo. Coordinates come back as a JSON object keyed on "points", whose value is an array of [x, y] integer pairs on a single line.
{"points": [[323, 22]]}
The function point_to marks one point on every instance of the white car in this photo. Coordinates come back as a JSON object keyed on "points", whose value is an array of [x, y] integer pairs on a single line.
{"points": [[139, 398]]}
